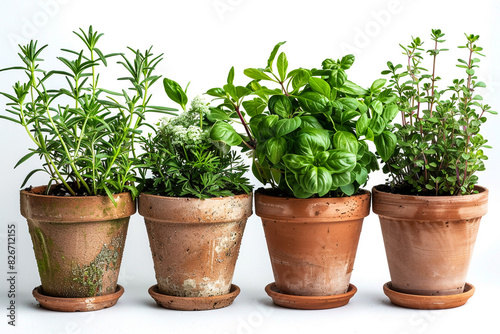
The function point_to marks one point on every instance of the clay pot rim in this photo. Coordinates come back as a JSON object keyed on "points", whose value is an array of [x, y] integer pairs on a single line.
{"points": [[187, 303], [411, 207], [309, 302], [424, 302], [63, 207], [187, 199], [362, 192], [38, 192], [312, 210], [430, 199], [187, 210], [82, 304]]}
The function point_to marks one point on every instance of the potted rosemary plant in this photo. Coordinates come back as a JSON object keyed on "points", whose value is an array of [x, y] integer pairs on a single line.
{"points": [[195, 201], [84, 137], [431, 206], [308, 140]]}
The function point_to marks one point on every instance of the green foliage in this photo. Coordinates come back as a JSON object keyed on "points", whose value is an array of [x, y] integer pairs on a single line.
{"points": [[439, 148], [308, 135], [83, 133], [181, 160]]}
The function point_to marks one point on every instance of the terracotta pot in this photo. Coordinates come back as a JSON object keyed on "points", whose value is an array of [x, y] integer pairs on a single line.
{"points": [[78, 241], [312, 242], [429, 240], [195, 243]]}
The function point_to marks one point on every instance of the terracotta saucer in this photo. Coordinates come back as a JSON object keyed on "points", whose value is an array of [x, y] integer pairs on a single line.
{"points": [[194, 303], [309, 302], [428, 302], [77, 304]]}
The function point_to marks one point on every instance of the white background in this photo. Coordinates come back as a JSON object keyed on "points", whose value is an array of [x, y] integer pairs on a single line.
{"points": [[201, 40]]}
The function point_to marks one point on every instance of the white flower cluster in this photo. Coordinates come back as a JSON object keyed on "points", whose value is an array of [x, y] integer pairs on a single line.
{"points": [[184, 130]]}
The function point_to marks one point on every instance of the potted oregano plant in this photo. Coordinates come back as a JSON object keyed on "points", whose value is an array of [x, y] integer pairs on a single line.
{"points": [[431, 205], [308, 139], [195, 201], [84, 136]]}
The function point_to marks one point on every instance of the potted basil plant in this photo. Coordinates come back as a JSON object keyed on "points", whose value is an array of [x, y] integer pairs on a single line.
{"points": [[308, 137], [195, 201], [431, 205], [84, 136]]}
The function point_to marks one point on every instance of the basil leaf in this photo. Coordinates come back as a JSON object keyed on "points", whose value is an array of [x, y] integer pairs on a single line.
{"points": [[340, 161], [275, 149], [346, 141], [280, 105], [225, 133], [385, 144], [320, 86], [287, 125]]}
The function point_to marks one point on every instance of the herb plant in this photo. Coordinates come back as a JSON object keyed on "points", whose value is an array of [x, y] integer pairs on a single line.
{"points": [[83, 133], [184, 161], [309, 135], [439, 147]]}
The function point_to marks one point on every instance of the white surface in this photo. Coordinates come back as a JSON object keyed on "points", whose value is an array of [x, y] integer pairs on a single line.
{"points": [[201, 41]]}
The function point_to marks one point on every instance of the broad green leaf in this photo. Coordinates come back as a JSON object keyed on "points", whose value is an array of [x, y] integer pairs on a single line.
{"points": [[225, 133], [298, 164], [297, 189], [390, 112], [216, 92], [377, 84], [273, 54], [275, 149], [313, 102], [377, 125], [287, 125], [310, 141], [347, 61], [217, 115], [348, 189], [349, 103], [300, 78], [340, 161], [280, 105], [342, 179], [361, 174], [310, 122], [362, 124], [319, 86], [254, 107], [266, 126], [346, 141], [316, 180], [231, 90], [385, 144], [352, 89], [377, 107], [282, 65], [338, 78], [175, 92], [257, 74], [230, 76]]}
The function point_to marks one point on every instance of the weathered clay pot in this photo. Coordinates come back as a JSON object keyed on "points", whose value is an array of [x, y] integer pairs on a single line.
{"points": [[195, 243], [429, 240], [312, 242], [78, 241]]}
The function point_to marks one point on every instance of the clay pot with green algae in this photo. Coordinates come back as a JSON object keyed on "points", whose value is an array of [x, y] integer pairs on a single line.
{"points": [[195, 243], [429, 240], [312, 242], [78, 241]]}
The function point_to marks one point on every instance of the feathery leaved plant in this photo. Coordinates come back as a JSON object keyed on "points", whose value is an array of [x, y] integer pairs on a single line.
{"points": [[84, 134], [180, 159]]}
